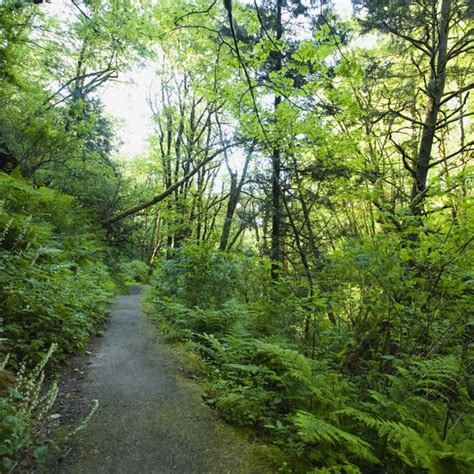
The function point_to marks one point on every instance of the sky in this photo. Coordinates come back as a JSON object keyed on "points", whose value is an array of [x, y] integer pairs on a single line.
{"points": [[125, 99]]}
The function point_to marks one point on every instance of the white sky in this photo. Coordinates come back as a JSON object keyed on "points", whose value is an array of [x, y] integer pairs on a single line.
{"points": [[343, 7], [126, 100]]}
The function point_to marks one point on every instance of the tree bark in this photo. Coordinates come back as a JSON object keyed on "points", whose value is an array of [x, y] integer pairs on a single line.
{"points": [[7, 161], [229, 215], [234, 198], [436, 89], [276, 252]]}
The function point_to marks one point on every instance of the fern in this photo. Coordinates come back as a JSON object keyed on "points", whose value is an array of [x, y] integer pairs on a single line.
{"points": [[314, 430], [414, 416], [344, 468]]}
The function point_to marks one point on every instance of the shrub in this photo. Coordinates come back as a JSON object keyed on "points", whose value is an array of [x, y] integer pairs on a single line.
{"points": [[133, 272], [54, 284], [26, 404], [351, 408], [207, 278]]}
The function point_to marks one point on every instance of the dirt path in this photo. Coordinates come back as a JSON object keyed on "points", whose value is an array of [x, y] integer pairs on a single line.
{"points": [[151, 419]]}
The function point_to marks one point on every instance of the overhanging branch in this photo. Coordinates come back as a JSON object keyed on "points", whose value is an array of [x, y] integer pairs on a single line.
{"points": [[160, 197]]}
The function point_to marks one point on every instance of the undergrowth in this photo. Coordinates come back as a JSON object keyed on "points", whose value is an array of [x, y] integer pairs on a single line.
{"points": [[54, 283], [414, 416], [55, 289], [22, 406]]}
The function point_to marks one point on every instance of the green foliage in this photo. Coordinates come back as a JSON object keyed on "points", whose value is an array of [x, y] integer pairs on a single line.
{"points": [[257, 381], [55, 287], [316, 431], [27, 403], [358, 358], [404, 414], [200, 276], [133, 272], [385, 287], [14, 434]]}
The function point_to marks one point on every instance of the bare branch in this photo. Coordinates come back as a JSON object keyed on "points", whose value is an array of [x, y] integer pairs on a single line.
{"points": [[467, 147]]}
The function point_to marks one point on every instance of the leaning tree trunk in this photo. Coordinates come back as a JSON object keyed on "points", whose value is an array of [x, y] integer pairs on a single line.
{"points": [[231, 207], [233, 201]]}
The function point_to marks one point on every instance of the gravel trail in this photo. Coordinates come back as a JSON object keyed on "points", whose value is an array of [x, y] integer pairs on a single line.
{"points": [[151, 419]]}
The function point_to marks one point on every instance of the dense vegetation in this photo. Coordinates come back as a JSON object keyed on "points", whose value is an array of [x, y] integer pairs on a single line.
{"points": [[325, 401], [56, 181], [303, 213], [55, 286]]}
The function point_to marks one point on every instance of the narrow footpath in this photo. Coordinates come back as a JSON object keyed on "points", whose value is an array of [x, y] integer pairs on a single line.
{"points": [[151, 419]]}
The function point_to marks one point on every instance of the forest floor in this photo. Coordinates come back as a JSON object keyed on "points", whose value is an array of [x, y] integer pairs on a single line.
{"points": [[151, 418]]}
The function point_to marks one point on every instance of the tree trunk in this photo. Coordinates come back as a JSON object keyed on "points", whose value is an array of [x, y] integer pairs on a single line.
{"points": [[231, 206], [7, 161], [436, 89], [234, 198], [276, 252]]}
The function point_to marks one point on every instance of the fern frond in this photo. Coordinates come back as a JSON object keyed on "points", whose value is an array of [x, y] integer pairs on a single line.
{"points": [[316, 430]]}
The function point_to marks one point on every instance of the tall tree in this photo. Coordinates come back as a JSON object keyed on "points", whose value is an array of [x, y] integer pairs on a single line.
{"points": [[437, 35]]}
